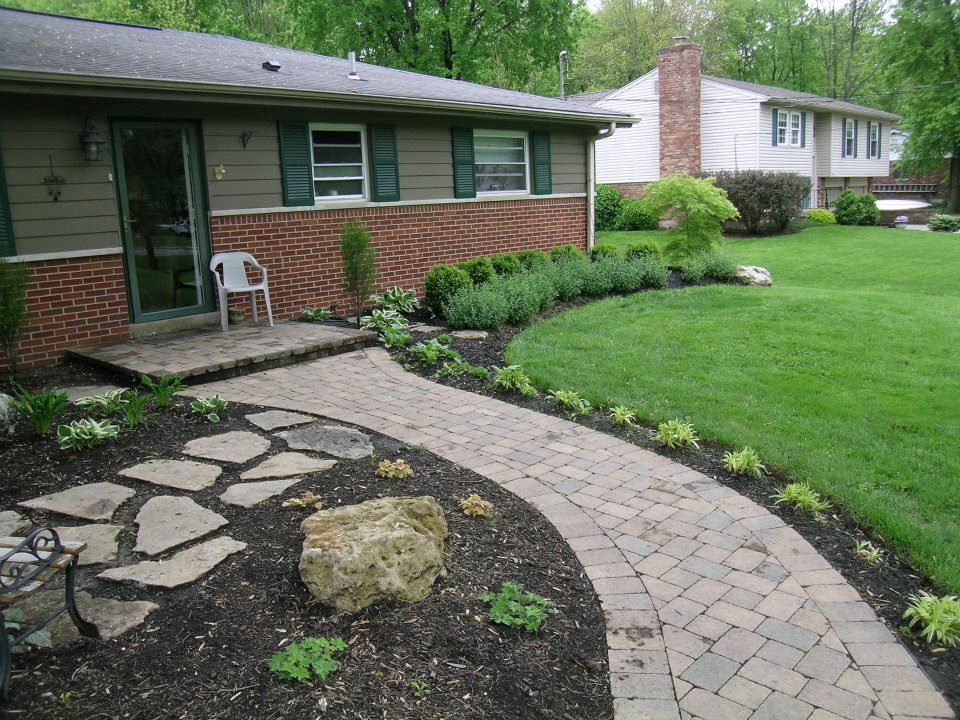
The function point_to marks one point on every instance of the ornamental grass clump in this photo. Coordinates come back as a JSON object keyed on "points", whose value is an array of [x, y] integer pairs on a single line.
{"points": [[677, 433], [938, 618], [515, 607], [800, 496], [743, 462]]}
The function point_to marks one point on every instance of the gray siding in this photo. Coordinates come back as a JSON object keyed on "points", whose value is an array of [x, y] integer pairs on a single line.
{"points": [[568, 159]]}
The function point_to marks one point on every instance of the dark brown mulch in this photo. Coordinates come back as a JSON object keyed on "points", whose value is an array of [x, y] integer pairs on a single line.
{"points": [[204, 653], [885, 586]]}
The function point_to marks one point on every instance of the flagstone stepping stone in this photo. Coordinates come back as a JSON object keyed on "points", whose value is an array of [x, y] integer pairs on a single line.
{"points": [[236, 447], [333, 440], [470, 334], [93, 501], [286, 464], [101, 541], [180, 474], [11, 522], [184, 567], [112, 617], [167, 521], [75, 392], [273, 419], [249, 494]]}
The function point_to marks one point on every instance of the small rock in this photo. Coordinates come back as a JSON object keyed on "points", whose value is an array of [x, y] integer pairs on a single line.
{"points": [[101, 541], [331, 439], [287, 464], [112, 617], [168, 521], [235, 447], [11, 522], [249, 494], [8, 415], [93, 501], [425, 329], [273, 419], [75, 392], [470, 334], [753, 275], [184, 567], [180, 474]]}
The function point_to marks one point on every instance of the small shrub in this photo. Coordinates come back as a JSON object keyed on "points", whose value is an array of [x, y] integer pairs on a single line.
{"points": [[645, 248], [572, 402], [651, 273], [359, 263], [533, 260], [869, 212], [513, 378], [107, 403], [420, 689], [852, 209], [676, 433], [605, 208], [479, 269], [442, 283], [541, 284], [477, 307], [40, 410], [743, 462], [802, 497], [624, 277], [764, 198], [604, 250], [700, 208], [718, 266], [398, 300], [475, 506], [598, 277], [824, 217], [163, 389], [382, 320], [565, 253], [315, 314], [396, 470], [636, 215], [567, 279], [14, 313], [84, 434], [693, 269], [515, 607], [937, 617], [868, 551], [431, 351], [506, 264], [209, 408], [133, 407], [944, 223], [523, 298], [622, 415], [309, 659]]}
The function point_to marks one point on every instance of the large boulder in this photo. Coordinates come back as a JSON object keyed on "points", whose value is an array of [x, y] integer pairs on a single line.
{"points": [[753, 275], [386, 548]]}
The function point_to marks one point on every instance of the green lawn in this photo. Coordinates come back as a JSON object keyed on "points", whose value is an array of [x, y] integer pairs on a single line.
{"points": [[846, 373]]}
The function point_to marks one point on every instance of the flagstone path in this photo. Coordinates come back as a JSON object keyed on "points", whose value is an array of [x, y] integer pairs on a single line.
{"points": [[715, 609]]}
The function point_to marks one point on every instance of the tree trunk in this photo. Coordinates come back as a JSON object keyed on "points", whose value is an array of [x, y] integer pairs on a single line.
{"points": [[953, 184]]}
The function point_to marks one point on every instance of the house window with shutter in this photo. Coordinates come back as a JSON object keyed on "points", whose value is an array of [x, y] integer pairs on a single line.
{"points": [[339, 161], [783, 124], [874, 150], [795, 129], [849, 139], [501, 161]]}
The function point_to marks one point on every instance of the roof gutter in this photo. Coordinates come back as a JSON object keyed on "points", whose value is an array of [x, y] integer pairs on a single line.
{"points": [[592, 181]]}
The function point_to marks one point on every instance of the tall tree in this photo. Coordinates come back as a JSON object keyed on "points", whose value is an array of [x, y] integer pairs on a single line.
{"points": [[924, 55], [849, 35]]}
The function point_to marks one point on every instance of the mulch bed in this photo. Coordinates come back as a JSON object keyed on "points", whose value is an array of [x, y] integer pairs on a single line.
{"points": [[885, 586], [204, 653]]}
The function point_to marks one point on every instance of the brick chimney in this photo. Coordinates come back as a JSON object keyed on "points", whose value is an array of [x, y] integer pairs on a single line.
{"points": [[679, 71]]}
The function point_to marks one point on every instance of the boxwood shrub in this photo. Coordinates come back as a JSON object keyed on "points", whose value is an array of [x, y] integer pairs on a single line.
{"points": [[643, 248], [565, 253], [533, 259], [602, 250], [479, 269], [442, 283], [945, 223], [506, 264], [824, 217], [852, 209]]}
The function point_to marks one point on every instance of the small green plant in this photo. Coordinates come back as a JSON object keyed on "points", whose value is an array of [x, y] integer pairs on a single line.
{"points": [[359, 263], [677, 433], [937, 617], [309, 659], [392, 338], [622, 415], [515, 607], [307, 500], [512, 377], [382, 320], [420, 689], [433, 351], [396, 470], [572, 402], [315, 314], [533, 260], [40, 410], [802, 497], [868, 551], [442, 283], [66, 697], [398, 300], [108, 403], [132, 408], [163, 389], [743, 462], [636, 215], [84, 434], [824, 217], [210, 408], [476, 506], [479, 269], [456, 368], [14, 313]]}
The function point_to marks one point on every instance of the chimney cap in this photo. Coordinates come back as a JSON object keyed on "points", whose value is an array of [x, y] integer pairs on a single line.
{"points": [[680, 39]]}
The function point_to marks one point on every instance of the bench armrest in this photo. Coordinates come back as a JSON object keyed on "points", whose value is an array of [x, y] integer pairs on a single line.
{"points": [[24, 561]]}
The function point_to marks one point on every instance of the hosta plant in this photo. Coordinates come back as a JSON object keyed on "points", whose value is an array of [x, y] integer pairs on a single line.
{"points": [[382, 320], [398, 299], [456, 368], [84, 434], [132, 407], [392, 338], [163, 389], [512, 377], [677, 433], [107, 403], [309, 659], [433, 351], [40, 410], [210, 408], [396, 470], [622, 415], [571, 402], [868, 551], [938, 618], [315, 314], [744, 462], [516, 607], [802, 497], [475, 506]]}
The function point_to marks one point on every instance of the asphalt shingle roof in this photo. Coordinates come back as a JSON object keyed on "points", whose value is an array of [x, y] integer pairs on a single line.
{"points": [[39, 43]]}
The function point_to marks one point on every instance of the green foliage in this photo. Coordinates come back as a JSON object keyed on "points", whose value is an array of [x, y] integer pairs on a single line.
{"points": [[40, 410], [84, 434], [309, 659], [479, 269], [395, 338], [209, 408], [604, 250], [315, 314], [802, 497], [565, 253], [512, 377], [14, 314], [937, 617], [764, 198], [700, 208], [718, 266], [645, 248], [132, 408], [394, 470], [107, 403], [477, 307], [398, 300], [743, 462], [622, 415], [506, 264], [515, 607], [636, 215], [572, 402], [693, 268], [382, 320], [651, 273], [163, 389], [677, 433], [598, 277], [866, 550], [420, 689], [524, 297], [824, 217], [459, 366], [852, 209], [606, 206], [442, 283], [359, 263], [533, 260], [567, 278], [945, 223], [432, 351]]}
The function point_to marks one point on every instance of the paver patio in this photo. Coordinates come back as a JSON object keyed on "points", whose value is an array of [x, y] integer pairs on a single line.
{"points": [[714, 607]]}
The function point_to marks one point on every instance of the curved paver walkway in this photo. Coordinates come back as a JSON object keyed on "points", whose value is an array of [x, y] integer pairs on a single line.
{"points": [[715, 609]]}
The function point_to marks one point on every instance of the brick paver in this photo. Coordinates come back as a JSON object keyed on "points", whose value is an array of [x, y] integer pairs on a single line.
{"points": [[714, 607]]}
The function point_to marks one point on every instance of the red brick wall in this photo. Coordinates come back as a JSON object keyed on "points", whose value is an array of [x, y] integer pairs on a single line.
{"points": [[301, 249], [73, 302], [679, 78], [629, 190]]}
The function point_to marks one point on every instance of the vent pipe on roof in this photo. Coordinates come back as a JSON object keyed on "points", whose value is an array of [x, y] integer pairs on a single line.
{"points": [[271, 65], [563, 73], [353, 74]]}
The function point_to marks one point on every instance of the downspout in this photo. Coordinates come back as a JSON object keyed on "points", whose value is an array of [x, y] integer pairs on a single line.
{"points": [[592, 180]]}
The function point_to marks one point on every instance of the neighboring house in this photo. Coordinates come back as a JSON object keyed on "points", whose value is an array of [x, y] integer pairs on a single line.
{"points": [[688, 122], [129, 155], [903, 182]]}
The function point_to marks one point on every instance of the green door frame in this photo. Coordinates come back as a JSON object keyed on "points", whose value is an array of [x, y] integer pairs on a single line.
{"points": [[198, 197]]}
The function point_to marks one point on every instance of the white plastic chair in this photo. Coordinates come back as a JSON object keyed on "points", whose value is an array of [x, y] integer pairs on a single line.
{"points": [[235, 280]]}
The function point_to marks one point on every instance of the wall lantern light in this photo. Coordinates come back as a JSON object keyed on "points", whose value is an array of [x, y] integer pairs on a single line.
{"points": [[91, 140]]}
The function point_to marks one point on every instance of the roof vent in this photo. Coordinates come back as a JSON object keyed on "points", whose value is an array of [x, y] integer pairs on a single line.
{"points": [[353, 74], [271, 65]]}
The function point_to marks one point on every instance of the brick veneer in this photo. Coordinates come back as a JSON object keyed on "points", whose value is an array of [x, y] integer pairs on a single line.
{"points": [[629, 189], [73, 302], [679, 79], [301, 249]]}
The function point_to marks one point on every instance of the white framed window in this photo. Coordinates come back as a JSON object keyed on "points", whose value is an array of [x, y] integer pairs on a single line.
{"points": [[339, 161], [849, 139], [874, 141], [783, 123], [795, 127], [501, 161]]}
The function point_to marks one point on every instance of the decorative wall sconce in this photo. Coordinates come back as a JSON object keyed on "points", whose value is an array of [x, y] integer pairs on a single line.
{"points": [[245, 137], [219, 171], [92, 140], [53, 182]]}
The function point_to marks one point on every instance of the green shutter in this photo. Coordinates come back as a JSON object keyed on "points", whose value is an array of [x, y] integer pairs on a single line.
{"points": [[803, 129], [464, 175], [295, 164], [879, 140], [776, 124], [6, 223], [843, 137], [856, 137], [869, 135], [542, 173], [386, 167]]}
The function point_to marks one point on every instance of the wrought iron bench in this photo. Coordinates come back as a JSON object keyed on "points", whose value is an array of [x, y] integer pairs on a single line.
{"points": [[27, 564]]}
